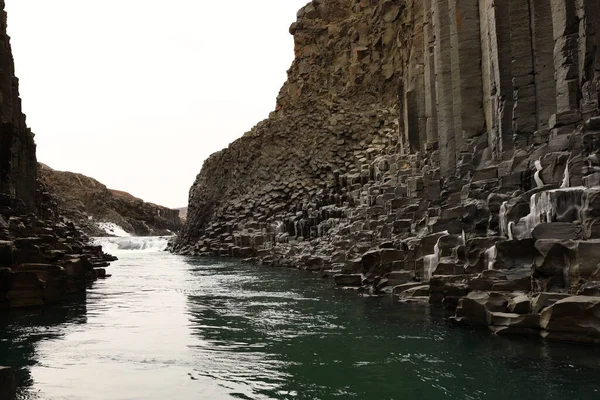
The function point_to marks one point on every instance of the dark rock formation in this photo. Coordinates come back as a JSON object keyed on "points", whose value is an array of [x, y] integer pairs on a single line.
{"points": [[42, 262], [87, 202], [18, 165], [42, 258], [449, 145], [7, 384]]}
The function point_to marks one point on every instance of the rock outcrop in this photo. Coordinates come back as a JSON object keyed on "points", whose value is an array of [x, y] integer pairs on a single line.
{"points": [[438, 149], [18, 165], [42, 258], [89, 203]]}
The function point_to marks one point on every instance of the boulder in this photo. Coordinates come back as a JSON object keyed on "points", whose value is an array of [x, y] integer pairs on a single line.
{"points": [[543, 300], [348, 280], [380, 262], [396, 278], [474, 309], [575, 318], [520, 304]]}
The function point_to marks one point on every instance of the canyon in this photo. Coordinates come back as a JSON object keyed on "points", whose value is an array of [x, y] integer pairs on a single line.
{"points": [[443, 151]]}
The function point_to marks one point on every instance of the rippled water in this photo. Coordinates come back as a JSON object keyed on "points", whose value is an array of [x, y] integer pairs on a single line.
{"points": [[168, 327]]}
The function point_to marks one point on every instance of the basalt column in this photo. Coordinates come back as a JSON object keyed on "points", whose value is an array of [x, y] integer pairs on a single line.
{"points": [[543, 54], [589, 54], [429, 74], [415, 91], [566, 63], [497, 75], [524, 94], [18, 165], [444, 88], [465, 42]]}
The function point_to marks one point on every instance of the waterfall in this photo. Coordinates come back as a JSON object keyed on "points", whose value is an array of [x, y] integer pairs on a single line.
{"points": [[510, 230], [115, 245], [490, 257], [113, 229], [431, 261], [567, 179], [545, 206], [536, 176], [503, 219]]}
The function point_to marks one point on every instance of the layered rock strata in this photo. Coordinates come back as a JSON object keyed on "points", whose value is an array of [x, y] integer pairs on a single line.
{"points": [[445, 150], [42, 262], [89, 203]]}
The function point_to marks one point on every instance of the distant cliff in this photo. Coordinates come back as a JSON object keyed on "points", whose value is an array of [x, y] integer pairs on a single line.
{"points": [[88, 202]]}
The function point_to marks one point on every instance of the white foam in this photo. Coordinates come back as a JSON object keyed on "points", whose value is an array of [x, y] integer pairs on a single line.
{"points": [[151, 244], [490, 257], [543, 208], [113, 229], [567, 179], [536, 176], [430, 262], [503, 217]]}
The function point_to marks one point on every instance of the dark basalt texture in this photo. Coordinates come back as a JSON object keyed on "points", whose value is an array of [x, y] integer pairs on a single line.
{"points": [[439, 150], [18, 165]]}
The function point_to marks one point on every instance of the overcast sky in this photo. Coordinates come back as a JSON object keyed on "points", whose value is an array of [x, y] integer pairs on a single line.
{"points": [[137, 93]]}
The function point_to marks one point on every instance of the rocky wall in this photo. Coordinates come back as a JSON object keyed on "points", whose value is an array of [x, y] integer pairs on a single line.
{"points": [[18, 165], [456, 163]]}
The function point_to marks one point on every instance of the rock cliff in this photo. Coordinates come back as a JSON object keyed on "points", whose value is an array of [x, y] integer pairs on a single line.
{"points": [[89, 203], [42, 258], [18, 163], [445, 150]]}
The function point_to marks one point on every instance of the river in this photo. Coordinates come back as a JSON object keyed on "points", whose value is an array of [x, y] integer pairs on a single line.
{"points": [[171, 327]]}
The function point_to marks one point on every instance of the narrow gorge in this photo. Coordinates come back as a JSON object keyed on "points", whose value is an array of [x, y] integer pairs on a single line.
{"points": [[444, 151]]}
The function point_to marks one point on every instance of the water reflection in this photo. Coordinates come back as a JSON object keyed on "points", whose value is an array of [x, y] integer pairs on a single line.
{"points": [[184, 328], [280, 334], [22, 330]]}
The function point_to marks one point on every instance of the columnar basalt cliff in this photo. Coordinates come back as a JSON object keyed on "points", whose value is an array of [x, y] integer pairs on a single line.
{"points": [[42, 258], [90, 204], [445, 150], [18, 163]]}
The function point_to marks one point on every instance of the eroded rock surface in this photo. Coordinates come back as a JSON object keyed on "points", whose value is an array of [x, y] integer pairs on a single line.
{"points": [[448, 145]]}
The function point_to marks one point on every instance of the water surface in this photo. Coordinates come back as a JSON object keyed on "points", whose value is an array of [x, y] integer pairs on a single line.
{"points": [[170, 327]]}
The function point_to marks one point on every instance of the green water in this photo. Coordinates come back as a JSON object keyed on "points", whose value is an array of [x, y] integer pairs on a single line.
{"points": [[168, 327]]}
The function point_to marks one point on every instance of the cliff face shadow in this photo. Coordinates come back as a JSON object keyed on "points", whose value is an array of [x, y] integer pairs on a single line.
{"points": [[22, 330]]}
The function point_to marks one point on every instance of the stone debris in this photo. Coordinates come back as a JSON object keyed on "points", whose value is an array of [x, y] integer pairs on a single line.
{"points": [[438, 149]]}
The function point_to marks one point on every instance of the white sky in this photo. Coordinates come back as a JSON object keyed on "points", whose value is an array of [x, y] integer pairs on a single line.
{"points": [[137, 93]]}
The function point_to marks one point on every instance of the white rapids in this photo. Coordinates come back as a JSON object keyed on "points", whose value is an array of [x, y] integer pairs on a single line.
{"points": [[115, 245]]}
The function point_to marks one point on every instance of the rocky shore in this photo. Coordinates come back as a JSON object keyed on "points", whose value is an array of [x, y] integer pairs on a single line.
{"points": [[443, 151]]}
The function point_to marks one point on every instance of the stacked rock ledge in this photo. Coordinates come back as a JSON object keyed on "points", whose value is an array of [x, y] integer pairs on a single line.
{"points": [[445, 151]]}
